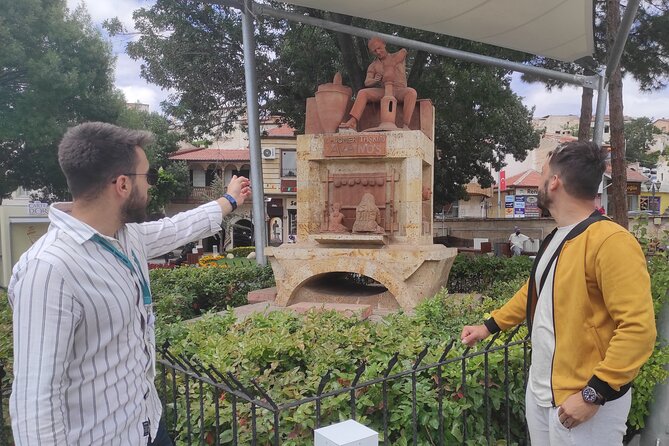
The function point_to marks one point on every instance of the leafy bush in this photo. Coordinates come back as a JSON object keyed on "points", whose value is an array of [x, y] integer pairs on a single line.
{"points": [[242, 251], [204, 289], [471, 274], [6, 344], [288, 354], [6, 356], [654, 371]]}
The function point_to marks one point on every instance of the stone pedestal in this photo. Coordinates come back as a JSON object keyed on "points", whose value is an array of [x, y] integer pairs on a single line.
{"points": [[396, 168], [410, 273]]}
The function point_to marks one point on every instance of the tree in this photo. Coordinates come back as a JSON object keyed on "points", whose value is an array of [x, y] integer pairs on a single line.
{"points": [[644, 58], [197, 50], [639, 136], [55, 71], [173, 178]]}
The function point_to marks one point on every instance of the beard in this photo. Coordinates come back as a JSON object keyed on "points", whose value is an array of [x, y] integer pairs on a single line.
{"points": [[543, 200], [134, 210]]}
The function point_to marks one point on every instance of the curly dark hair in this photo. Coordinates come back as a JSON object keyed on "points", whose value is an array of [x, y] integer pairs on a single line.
{"points": [[581, 165], [92, 154]]}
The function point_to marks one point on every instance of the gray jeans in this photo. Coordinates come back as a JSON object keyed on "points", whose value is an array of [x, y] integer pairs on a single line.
{"points": [[606, 428]]}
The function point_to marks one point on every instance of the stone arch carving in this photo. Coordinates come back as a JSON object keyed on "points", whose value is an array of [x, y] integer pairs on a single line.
{"points": [[349, 265]]}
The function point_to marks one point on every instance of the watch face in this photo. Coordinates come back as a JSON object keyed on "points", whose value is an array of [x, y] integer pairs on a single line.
{"points": [[589, 395]]}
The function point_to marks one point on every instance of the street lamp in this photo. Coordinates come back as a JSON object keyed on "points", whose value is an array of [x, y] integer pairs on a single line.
{"points": [[653, 185]]}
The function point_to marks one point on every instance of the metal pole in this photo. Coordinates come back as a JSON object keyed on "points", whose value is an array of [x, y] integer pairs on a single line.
{"points": [[600, 110], [499, 193], [259, 229], [576, 79], [619, 45], [598, 132]]}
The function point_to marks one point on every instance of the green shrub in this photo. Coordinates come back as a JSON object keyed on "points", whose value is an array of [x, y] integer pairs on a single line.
{"points": [[241, 251], [6, 345], [474, 274], [288, 354], [6, 355], [204, 289]]}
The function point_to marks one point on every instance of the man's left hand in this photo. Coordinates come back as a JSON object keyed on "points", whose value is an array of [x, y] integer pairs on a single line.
{"points": [[575, 411]]}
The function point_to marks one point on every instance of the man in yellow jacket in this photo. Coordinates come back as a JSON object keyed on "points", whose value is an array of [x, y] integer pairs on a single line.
{"points": [[588, 307]]}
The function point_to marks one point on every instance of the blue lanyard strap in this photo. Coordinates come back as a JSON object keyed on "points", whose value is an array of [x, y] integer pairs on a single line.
{"points": [[146, 291]]}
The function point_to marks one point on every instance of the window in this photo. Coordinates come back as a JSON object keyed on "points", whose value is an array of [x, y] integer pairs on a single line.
{"points": [[288, 163]]}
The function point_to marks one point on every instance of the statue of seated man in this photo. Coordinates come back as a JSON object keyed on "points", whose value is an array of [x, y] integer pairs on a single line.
{"points": [[386, 68], [336, 223]]}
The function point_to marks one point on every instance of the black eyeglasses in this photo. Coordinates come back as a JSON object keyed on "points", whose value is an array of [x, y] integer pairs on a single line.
{"points": [[151, 176]]}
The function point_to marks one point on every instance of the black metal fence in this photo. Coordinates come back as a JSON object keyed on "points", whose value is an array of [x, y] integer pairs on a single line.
{"points": [[475, 397]]}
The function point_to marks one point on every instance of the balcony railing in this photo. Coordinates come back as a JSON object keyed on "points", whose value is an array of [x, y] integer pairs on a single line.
{"points": [[288, 172]]}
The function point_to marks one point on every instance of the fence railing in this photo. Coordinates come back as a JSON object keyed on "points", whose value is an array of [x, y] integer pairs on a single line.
{"points": [[475, 397]]}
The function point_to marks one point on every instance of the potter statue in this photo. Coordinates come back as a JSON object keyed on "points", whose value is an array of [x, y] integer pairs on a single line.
{"points": [[367, 216], [336, 223], [386, 76]]}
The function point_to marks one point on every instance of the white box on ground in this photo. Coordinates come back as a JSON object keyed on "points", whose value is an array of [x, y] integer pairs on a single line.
{"points": [[478, 241], [346, 433]]}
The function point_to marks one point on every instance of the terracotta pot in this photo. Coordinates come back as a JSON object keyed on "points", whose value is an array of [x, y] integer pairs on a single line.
{"points": [[331, 102]]}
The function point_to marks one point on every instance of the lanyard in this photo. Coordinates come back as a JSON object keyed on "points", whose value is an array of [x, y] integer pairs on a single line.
{"points": [[146, 291]]}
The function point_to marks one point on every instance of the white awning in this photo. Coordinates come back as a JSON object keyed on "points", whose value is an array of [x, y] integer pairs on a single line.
{"points": [[558, 29]]}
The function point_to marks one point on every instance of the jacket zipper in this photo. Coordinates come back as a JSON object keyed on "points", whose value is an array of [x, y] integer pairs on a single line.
{"points": [[557, 259]]}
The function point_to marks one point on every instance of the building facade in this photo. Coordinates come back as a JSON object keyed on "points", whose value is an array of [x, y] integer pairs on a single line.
{"points": [[225, 158]]}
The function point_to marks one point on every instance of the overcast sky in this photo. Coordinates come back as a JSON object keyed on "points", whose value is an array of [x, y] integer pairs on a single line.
{"points": [[565, 101]]}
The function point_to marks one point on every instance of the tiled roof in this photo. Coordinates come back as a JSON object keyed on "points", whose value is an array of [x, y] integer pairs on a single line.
{"points": [[633, 175], [529, 178], [212, 155], [284, 130], [476, 189]]}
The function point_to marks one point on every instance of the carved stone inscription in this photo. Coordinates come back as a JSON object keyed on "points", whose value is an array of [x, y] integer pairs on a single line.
{"points": [[355, 145]]}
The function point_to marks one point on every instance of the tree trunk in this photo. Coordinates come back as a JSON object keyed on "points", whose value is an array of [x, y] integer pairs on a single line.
{"points": [[616, 122], [345, 44], [586, 115]]}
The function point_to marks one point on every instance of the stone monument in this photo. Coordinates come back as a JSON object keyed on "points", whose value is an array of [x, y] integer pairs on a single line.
{"points": [[364, 204]]}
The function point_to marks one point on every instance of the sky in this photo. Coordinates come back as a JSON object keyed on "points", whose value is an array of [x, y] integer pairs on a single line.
{"points": [[558, 102]]}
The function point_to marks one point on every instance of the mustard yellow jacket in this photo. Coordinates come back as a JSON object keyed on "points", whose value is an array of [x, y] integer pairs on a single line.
{"points": [[603, 312]]}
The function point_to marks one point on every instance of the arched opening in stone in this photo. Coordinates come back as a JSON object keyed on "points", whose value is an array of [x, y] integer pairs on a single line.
{"points": [[345, 288]]}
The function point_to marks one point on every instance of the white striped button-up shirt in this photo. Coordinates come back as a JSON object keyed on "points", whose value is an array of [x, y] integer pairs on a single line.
{"points": [[84, 348]]}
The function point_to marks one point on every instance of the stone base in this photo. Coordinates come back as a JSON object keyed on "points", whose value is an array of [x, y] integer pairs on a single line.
{"points": [[409, 273]]}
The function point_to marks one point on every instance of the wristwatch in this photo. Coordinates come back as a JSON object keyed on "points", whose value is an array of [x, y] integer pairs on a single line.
{"points": [[591, 396], [232, 201]]}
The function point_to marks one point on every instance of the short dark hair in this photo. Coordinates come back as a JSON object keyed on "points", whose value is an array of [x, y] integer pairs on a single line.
{"points": [[581, 165], [93, 153]]}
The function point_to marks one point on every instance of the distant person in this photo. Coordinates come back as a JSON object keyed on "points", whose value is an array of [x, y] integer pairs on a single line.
{"points": [[388, 67], [590, 315], [517, 240], [83, 318]]}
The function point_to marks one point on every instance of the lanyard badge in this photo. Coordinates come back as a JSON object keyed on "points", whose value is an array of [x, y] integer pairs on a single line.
{"points": [[146, 291]]}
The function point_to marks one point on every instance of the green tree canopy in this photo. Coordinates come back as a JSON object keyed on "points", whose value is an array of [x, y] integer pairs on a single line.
{"points": [[196, 49], [55, 71], [173, 179], [639, 136]]}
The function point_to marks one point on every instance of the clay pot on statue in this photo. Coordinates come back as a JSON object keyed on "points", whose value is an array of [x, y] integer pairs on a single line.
{"points": [[331, 102]]}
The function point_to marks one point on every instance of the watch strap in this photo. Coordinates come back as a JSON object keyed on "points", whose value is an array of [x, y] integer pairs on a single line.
{"points": [[232, 201]]}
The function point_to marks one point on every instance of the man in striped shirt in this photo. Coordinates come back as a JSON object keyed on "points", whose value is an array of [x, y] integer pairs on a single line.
{"points": [[84, 346]]}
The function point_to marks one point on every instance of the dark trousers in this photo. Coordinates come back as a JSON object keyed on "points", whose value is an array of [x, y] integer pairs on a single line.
{"points": [[162, 438]]}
